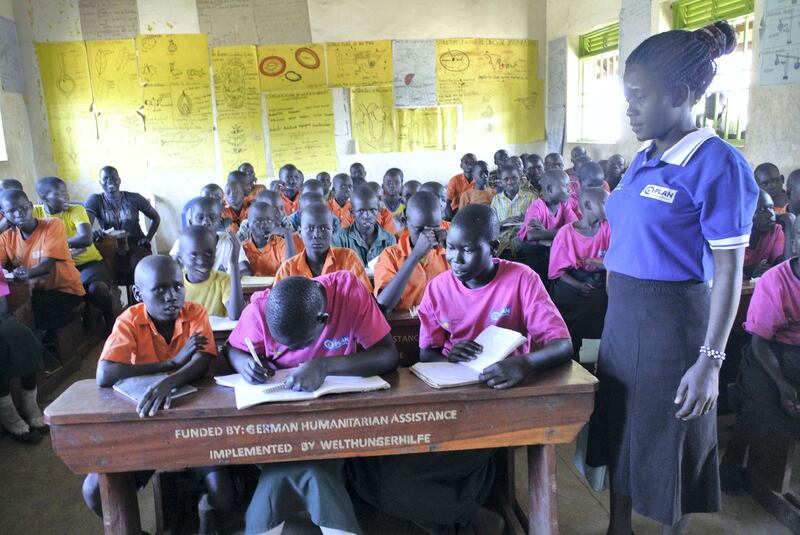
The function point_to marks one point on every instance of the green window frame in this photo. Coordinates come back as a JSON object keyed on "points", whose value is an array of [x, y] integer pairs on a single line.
{"points": [[691, 14], [599, 41]]}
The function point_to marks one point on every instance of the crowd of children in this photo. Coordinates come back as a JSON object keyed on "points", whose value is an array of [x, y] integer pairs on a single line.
{"points": [[520, 246]]}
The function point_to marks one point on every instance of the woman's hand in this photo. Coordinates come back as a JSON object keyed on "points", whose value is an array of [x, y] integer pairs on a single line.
{"points": [[699, 388]]}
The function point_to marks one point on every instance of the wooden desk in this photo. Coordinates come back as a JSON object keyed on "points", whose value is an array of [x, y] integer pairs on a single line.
{"points": [[97, 430]]}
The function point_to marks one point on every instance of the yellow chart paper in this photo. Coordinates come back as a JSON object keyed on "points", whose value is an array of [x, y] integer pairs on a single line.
{"points": [[359, 63], [238, 99], [372, 116], [301, 131], [114, 74], [179, 58], [427, 129], [121, 142], [73, 137], [65, 75], [291, 67], [510, 111]]}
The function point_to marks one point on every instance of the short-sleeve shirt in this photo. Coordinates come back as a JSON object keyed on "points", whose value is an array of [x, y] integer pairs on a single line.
{"points": [[515, 299], [342, 212], [391, 260], [351, 238], [338, 259], [48, 240], [266, 261], [770, 247], [355, 320], [539, 211], [73, 216], [212, 294], [571, 249], [456, 187], [231, 218], [222, 255], [290, 206], [774, 312], [251, 197], [668, 213], [476, 196], [135, 339], [386, 221], [119, 215], [506, 208], [397, 210]]}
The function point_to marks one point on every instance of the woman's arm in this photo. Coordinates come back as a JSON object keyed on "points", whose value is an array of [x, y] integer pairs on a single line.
{"points": [[155, 221]]}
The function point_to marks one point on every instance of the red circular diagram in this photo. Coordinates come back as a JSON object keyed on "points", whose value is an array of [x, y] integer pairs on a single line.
{"points": [[272, 66], [307, 58]]}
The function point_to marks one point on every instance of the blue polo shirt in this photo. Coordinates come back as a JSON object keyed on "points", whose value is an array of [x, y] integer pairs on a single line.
{"points": [[667, 214]]}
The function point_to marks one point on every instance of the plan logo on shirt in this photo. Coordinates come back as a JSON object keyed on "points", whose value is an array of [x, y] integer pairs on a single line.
{"points": [[495, 315], [332, 344], [659, 193]]}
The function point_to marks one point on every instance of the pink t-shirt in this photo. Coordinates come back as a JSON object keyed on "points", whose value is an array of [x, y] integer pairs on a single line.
{"points": [[4, 289], [768, 248], [539, 211], [571, 248], [515, 299], [774, 312], [355, 319]]}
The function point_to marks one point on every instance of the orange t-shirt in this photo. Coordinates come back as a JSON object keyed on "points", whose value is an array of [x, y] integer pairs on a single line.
{"points": [[386, 220], [476, 196], [250, 198], [457, 185], [392, 258], [342, 212], [135, 340], [265, 262], [338, 259], [48, 239], [229, 214], [404, 233], [290, 206]]}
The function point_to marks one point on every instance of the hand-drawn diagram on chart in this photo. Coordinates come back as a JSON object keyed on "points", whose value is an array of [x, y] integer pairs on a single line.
{"points": [[114, 75], [359, 63], [291, 67], [510, 111], [780, 43], [414, 73], [427, 129], [372, 113]]}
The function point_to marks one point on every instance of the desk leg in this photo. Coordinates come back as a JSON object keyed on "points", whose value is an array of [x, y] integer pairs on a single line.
{"points": [[543, 489], [120, 506]]}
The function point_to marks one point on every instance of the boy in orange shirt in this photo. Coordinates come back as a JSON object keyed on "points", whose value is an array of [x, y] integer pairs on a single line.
{"points": [[480, 193], [290, 182], [162, 334], [235, 210], [37, 251], [461, 182], [340, 204], [319, 258], [404, 270], [270, 243], [252, 189]]}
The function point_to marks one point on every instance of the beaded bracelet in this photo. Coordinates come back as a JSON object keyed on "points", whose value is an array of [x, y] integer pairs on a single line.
{"points": [[712, 353]]}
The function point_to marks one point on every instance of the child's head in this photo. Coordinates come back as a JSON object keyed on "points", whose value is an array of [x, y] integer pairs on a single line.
{"points": [[291, 180], [793, 186], [312, 197], [10, 183], [263, 220], [616, 166], [241, 178], [325, 179], [467, 162], [764, 218], [393, 183], [295, 312], [213, 190], [206, 212], [516, 160], [364, 207], [553, 162], [52, 192], [358, 173], [555, 187], [158, 283], [593, 204], [234, 193], [16, 207], [500, 157], [576, 153], [480, 174], [409, 189], [313, 185], [579, 162], [509, 179], [273, 199], [591, 175], [422, 211], [534, 169], [316, 227], [440, 191], [472, 241], [275, 185], [769, 179], [342, 188], [377, 189], [197, 247], [250, 173], [110, 180]]}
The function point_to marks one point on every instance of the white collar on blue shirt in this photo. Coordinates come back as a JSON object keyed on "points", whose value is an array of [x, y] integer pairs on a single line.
{"points": [[682, 151]]}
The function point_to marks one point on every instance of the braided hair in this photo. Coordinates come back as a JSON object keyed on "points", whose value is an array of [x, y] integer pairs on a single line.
{"points": [[685, 57]]}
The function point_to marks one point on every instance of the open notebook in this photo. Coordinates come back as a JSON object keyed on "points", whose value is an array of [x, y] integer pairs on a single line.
{"points": [[497, 343], [273, 390], [134, 387]]}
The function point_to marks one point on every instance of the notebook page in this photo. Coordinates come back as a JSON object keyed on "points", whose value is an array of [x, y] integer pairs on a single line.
{"points": [[497, 344]]}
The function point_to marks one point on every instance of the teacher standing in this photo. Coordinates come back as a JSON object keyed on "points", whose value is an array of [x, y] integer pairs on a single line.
{"points": [[680, 217]]}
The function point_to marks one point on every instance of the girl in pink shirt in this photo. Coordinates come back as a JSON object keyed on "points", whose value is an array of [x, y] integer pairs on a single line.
{"points": [[768, 244]]}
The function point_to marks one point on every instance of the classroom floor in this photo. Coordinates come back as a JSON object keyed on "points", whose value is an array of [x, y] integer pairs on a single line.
{"points": [[41, 496]]}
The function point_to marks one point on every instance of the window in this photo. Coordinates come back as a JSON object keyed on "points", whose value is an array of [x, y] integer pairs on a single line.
{"points": [[599, 85], [724, 106]]}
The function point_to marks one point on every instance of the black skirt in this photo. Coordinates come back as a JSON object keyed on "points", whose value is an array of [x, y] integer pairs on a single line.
{"points": [[652, 335]]}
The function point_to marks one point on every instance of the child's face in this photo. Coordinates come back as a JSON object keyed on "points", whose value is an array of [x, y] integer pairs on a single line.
{"points": [[234, 194], [392, 186], [110, 182], [18, 211], [615, 167], [215, 193], [480, 174], [325, 180], [554, 163], [596, 209], [534, 169], [469, 256], [248, 169], [197, 257], [408, 191], [500, 158], [595, 180], [206, 217], [291, 182], [342, 188], [357, 172], [163, 293], [764, 218], [770, 181], [557, 190], [57, 199], [510, 183], [316, 230], [365, 212], [467, 163], [262, 223], [418, 220]]}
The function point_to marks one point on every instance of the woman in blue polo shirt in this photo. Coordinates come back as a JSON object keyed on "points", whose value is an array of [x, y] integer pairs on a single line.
{"points": [[680, 217]]}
